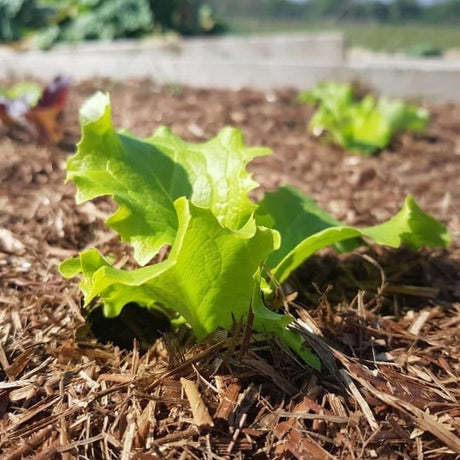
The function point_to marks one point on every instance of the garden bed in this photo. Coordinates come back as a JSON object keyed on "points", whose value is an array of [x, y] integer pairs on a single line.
{"points": [[391, 357]]}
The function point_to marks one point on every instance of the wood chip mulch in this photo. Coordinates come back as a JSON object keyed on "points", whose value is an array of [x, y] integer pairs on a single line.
{"points": [[386, 324]]}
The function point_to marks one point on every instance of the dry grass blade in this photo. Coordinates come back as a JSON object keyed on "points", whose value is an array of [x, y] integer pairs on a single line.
{"points": [[178, 436], [351, 387], [65, 448]]}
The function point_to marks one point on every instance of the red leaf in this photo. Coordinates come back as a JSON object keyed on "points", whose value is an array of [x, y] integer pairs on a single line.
{"points": [[48, 113], [44, 120]]}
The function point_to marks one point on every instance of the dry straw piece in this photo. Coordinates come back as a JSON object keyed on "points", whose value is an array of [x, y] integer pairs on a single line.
{"points": [[201, 416]]}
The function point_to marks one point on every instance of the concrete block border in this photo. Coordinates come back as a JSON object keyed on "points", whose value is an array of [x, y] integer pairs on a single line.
{"points": [[264, 62]]}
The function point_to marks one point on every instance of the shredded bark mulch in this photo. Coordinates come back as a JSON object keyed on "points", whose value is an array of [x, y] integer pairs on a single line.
{"points": [[386, 324]]}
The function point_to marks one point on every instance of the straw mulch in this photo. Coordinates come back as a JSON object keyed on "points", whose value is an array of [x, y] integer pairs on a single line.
{"points": [[386, 324]]}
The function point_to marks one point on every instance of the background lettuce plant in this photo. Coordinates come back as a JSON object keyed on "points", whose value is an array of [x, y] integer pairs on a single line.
{"points": [[194, 197], [362, 126]]}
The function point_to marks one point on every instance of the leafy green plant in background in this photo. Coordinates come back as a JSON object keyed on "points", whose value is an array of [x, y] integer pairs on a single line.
{"points": [[79, 20], [187, 17], [422, 50], [55, 21], [19, 16], [225, 250], [361, 126]]}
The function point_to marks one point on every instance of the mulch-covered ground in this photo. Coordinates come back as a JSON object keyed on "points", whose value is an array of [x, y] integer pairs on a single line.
{"points": [[387, 323]]}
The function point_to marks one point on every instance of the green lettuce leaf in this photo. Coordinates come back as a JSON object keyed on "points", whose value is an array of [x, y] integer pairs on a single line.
{"points": [[305, 229], [146, 176], [401, 116], [363, 126], [369, 128], [332, 95], [295, 216], [207, 278]]}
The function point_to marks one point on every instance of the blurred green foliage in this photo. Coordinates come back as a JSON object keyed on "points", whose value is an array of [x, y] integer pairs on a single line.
{"points": [[376, 11], [79, 20], [424, 49], [188, 17], [19, 16], [28, 90]]}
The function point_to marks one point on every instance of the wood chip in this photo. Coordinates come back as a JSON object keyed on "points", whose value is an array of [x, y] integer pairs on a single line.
{"points": [[228, 401], [19, 364], [9, 243], [419, 322], [26, 392], [128, 438], [200, 412]]}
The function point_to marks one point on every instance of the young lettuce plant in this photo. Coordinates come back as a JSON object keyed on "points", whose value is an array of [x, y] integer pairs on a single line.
{"points": [[194, 197], [361, 126]]}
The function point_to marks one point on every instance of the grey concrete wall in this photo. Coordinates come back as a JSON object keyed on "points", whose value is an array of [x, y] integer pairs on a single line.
{"points": [[298, 61], [156, 59], [165, 70], [435, 80], [325, 48]]}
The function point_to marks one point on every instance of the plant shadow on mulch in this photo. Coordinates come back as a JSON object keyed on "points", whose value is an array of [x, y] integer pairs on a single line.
{"points": [[385, 323]]}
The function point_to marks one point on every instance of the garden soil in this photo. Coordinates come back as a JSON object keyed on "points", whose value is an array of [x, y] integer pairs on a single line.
{"points": [[386, 323]]}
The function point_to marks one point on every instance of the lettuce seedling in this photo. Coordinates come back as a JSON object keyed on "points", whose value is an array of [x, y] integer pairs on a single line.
{"points": [[194, 197], [361, 126]]}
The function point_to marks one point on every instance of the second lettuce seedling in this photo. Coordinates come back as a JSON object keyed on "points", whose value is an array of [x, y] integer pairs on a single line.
{"points": [[360, 126]]}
